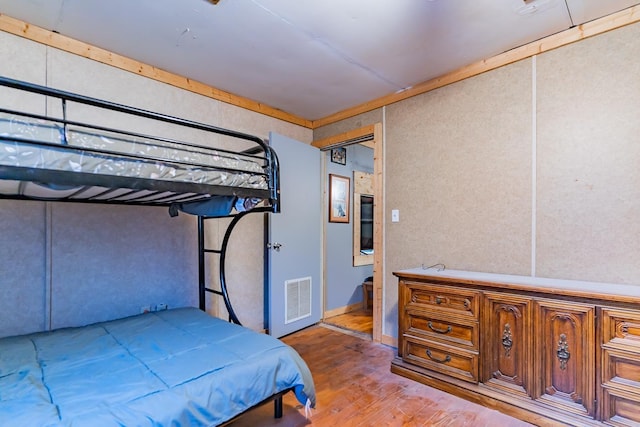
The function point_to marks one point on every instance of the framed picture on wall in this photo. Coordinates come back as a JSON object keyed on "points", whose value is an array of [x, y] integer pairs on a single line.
{"points": [[339, 155], [339, 198]]}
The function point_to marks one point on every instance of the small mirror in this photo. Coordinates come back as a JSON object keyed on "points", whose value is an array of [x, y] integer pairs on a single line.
{"points": [[362, 218], [366, 224]]}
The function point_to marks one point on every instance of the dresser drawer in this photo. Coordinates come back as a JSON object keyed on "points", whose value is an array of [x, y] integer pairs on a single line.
{"points": [[621, 329], [621, 369], [442, 358], [457, 301], [456, 331], [621, 409]]}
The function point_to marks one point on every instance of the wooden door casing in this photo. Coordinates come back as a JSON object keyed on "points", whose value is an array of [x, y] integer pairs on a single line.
{"points": [[565, 349]]}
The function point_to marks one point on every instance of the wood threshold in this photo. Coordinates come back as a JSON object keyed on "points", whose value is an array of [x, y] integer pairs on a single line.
{"points": [[341, 310], [76, 47], [359, 321]]}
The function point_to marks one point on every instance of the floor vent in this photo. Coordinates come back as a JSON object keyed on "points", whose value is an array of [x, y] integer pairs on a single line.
{"points": [[297, 297]]}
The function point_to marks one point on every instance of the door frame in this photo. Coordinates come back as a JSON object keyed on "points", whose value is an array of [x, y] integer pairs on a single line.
{"points": [[370, 136]]}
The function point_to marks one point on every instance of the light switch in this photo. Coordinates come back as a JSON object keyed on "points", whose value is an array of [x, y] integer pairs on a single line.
{"points": [[395, 215]]}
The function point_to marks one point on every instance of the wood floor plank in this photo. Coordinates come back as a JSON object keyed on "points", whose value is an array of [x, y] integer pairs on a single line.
{"points": [[354, 387]]}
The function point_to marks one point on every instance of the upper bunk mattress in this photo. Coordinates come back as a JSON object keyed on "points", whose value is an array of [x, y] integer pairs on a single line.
{"points": [[174, 367], [35, 143]]}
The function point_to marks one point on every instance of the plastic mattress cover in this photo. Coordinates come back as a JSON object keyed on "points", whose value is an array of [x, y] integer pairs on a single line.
{"points": [[111, 153], [168, 368]]}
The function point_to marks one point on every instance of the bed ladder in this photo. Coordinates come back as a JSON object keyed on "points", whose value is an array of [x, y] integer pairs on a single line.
{"points": [[222, 253]]}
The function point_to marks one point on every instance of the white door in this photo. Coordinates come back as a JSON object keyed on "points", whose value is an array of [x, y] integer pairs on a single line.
{"points": [[294, 253]]}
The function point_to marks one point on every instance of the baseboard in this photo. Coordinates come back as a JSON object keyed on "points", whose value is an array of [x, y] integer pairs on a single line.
{"points": [[389, 340]]}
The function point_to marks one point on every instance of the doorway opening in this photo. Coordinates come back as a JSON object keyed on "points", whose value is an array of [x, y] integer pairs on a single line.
{"points": [[358, 317]]}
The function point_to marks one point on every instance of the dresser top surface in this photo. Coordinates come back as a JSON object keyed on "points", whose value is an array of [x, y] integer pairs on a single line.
{"points": [[542, 284]]}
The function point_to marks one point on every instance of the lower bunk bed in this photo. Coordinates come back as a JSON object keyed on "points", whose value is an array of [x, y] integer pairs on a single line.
{"points": [[178, 367]]}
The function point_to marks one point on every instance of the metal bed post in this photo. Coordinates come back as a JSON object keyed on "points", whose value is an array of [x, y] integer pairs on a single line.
{"points": [[277, 407], [274, 175], [201, 260]]}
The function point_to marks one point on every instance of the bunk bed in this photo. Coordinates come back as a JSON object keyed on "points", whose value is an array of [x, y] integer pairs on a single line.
{"points": [[175, 367]]}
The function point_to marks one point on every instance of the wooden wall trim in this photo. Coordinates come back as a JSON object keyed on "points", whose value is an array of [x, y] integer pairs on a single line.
{"points": [[345, 137], [610, 22], [378, 230], [67, 44]]}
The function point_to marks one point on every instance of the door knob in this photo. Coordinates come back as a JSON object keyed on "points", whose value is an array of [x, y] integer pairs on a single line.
{"points": [[275, 246]]}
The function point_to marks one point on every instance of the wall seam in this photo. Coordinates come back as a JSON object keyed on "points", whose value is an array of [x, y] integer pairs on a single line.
{"points": [[48, 282], [384, 239], [534, 163], [48, 218]]}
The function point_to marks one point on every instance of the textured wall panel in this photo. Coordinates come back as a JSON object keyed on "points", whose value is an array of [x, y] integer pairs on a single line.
{"points": [[23, 293], [108, 261], [22, 224], [22, 59], [245, 271], [589, 159], [458, 168]]}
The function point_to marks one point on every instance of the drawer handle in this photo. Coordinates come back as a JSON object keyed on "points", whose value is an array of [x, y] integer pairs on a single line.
{"points": [[440, 331], [439, 300], [445, 360], [563, 352], [507, 340]]}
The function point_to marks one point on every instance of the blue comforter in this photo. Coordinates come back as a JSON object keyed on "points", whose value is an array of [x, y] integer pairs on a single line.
{"points": [[179, 367]]}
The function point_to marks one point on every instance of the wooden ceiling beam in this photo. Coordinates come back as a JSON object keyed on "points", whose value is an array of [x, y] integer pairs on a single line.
{"points": [[67, 44]]}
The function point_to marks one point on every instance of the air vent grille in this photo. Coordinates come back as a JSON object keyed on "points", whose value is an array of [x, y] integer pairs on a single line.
{"points": [[297, 295]]}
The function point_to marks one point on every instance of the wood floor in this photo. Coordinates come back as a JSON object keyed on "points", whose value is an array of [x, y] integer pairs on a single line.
{"points": [[355, 387], [360, 321]]}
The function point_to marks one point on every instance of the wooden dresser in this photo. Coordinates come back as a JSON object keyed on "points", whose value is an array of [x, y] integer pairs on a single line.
{"points": [[550, 352]]}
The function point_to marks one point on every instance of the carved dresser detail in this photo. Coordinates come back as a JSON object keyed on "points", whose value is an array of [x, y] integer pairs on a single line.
{"points": [[550, 352]]}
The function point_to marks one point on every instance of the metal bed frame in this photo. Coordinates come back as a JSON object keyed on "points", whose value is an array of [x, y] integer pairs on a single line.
{"points": [[260, 151]]}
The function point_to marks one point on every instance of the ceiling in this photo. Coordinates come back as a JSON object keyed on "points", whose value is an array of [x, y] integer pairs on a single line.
{"points": [[309, 58]]}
